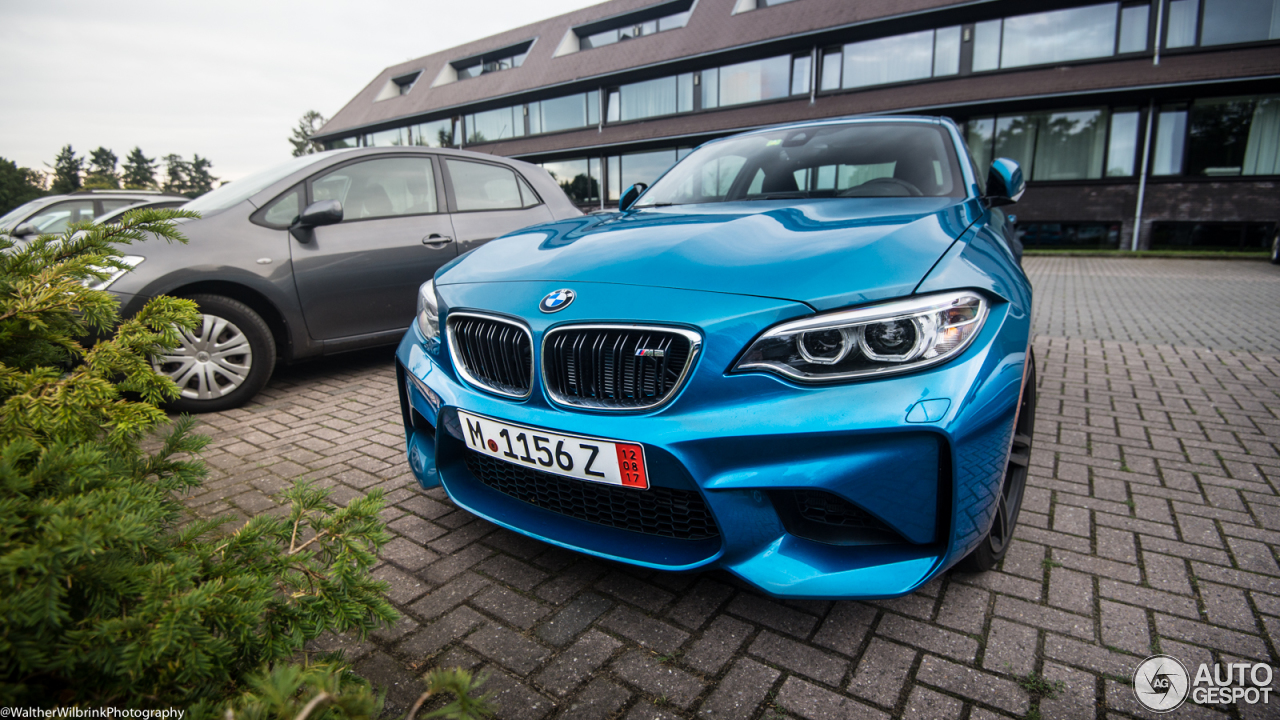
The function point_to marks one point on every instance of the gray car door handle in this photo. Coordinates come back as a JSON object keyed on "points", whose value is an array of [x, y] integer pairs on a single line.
{"points": [[436, 240]]}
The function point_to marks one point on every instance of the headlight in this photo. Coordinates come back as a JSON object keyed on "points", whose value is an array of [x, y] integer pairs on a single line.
{"points": [[132, 261], [883, 339], [428, 311]]}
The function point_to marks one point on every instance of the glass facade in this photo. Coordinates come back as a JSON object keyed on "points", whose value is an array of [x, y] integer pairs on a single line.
{"points": [[1061, 145], [500, 124], [564, 113], [579, 178], [914, 56]]}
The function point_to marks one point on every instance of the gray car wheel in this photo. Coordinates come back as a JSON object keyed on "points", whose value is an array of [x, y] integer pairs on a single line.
{"points": [[224, 362]]}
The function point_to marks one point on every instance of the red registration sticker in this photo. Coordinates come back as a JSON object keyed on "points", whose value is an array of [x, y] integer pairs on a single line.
{"points": [[631, 465]]}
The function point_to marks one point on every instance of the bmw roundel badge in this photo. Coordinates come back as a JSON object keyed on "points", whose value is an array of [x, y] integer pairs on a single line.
{"points": [[556, 301]]}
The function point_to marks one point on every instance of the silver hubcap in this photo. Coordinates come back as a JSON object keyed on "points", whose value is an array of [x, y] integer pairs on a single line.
{"points": [[213, 361]]}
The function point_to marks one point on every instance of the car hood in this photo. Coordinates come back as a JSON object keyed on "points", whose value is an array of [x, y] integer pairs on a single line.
{"points": [[827, 253]]}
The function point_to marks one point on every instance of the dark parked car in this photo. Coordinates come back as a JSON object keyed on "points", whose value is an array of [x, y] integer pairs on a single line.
{"points": [[324, 254], [53, 213], [803, 356]]}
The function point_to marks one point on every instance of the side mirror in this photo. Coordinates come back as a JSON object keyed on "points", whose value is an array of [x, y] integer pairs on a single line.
{"points": [[631, 195], [25, 230], [1004, 183], [320, 212]]}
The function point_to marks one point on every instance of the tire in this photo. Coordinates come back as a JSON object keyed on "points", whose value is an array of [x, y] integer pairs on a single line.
{"points": [[225, 362], [1275, 249], [991, 550]]}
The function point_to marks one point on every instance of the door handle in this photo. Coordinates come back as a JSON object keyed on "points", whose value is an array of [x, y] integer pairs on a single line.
{"points": [[436, 240]]}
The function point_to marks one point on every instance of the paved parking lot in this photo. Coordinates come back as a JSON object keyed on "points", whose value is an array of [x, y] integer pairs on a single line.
{"points": [[1151, 524]]}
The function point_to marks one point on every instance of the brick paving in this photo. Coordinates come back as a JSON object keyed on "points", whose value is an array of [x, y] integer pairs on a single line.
{"points": [[1151, 524]]}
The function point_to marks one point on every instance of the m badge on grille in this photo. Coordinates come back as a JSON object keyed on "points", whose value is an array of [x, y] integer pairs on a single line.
{"points": [[646, 352], [556, 301]]}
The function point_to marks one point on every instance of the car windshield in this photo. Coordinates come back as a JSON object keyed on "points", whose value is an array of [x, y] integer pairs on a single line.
{"points": [[11, 218], [819, 161], [238, 190]]}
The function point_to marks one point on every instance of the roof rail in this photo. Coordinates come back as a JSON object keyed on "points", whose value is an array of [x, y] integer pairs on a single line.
{"points": [[92, 191]]}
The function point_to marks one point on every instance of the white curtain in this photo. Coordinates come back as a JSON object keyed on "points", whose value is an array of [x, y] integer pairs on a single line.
{"points": [[1262, 154]]}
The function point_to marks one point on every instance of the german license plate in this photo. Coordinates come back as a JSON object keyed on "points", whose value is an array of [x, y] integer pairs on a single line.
{"points": [[577, 456]]}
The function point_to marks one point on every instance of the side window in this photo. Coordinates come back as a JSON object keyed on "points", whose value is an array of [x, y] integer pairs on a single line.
{"points": [[285, 209], [110, 205], [526, 193], [387, 187], [479, 186], [56, 217]]}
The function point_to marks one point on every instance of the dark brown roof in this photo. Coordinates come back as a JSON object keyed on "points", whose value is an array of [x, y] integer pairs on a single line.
{"points": [[712, 27]]}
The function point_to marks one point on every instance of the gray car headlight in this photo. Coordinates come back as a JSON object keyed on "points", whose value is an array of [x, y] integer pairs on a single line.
{"points": [[895, 337], [132, 261], [428, 311]]}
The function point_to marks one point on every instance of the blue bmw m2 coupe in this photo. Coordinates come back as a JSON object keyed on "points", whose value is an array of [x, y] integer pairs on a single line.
{"points": [[802, 356]]}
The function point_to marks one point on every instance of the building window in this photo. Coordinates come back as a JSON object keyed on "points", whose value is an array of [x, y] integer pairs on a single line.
{"points": [[564, 113], [645, 167], [651, 98], [1239, 21], [1221, 22], [1063, 145], [1171, 135], [404, 83], [1135, 26], [386, 138], [1122, 145], [502, 59], [1080, 236], [1212, 236], [900, 58], [647, 21], [433, 134], [830, 77], [579, 179], [500, 124], [755, 81], [346, 142], [1234, 136], [1048, 37]]}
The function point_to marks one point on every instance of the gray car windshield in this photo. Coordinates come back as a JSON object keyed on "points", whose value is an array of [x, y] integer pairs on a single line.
{"points": [[818, 161], [11, 218], [234, 192]]}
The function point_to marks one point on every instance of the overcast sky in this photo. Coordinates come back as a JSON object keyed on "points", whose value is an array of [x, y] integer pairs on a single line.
{"points": [[226, 79]]}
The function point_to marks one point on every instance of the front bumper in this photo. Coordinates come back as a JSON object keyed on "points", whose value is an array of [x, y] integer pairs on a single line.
{"points": [[923, 454]]}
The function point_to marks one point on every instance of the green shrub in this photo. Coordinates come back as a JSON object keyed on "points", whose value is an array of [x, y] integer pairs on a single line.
{"points": [[110, 594]]}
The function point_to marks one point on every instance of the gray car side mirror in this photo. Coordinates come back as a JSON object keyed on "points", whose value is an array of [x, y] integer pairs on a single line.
{"points": [[320, 212], [25, 230]]}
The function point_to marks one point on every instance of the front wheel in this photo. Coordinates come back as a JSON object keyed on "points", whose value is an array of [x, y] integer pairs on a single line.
{"points": [[224, 362], [996, 543]]}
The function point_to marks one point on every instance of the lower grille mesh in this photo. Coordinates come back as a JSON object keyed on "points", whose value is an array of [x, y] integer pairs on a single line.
{"points": [[662, 511]]}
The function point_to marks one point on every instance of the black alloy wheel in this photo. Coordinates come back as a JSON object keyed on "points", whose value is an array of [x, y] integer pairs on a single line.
{"points": [[224, 361], [996, 543]]}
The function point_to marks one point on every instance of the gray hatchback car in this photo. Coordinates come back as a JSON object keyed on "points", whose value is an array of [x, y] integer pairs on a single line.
{"points": [[324, 254]]}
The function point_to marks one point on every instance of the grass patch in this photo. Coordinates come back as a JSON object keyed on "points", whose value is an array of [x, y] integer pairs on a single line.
{"points": [[1040, 686], [1185, 254]]}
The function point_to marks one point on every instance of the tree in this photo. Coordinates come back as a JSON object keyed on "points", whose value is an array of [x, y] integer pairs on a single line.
{"points": [[66, 171], [18, 185], [110, 595], [139, 171], [176, 170], [199, 180], [102, 170], [308, 125]]}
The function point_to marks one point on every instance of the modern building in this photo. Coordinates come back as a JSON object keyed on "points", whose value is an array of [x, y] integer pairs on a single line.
{"points": [[1150, 123]]}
